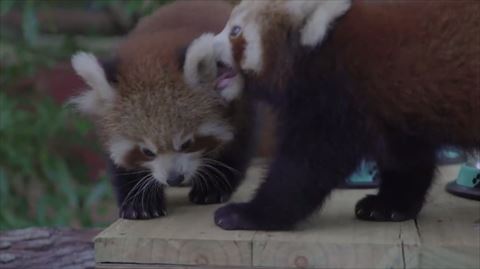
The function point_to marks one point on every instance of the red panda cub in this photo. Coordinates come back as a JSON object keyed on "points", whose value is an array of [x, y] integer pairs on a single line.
{"points": [[387, 80], [160, 114]]}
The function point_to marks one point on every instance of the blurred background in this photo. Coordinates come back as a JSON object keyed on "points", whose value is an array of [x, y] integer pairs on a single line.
{"points": [[52, 170]]}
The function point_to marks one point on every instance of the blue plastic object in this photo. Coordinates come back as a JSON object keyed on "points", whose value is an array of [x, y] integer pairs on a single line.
{"points": [[467, 183], [366, 176]]}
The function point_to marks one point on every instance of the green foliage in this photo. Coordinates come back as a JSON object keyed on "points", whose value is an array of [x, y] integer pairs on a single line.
{"points": [[135, 8], [41, 182], [5, 6], [29, 23]]}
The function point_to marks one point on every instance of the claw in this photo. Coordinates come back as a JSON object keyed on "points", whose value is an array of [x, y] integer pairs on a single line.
{"points": [[397, 216], [360, 212]]}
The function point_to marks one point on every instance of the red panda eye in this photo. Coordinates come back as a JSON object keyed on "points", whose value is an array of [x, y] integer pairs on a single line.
{"points": [[235, 31], [185, 146], [148, 153]]}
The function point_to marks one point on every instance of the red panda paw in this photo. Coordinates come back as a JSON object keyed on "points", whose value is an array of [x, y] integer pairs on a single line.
{"points": [[203, 194], [374, 208], [135, 210], [234, 217], [246, 216]]}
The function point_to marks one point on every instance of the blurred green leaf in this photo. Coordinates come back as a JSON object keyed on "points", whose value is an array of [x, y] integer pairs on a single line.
{"points": [[29, 22], [133, 7], [4, 187], [96, 194], [42, 181], [37, 136], [5, 6]]}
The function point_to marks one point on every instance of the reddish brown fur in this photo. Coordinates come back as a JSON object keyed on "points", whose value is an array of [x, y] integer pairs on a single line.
{"points": [[135, 158], [416, 64], [278, 26], [418, 69], [238, 45]]}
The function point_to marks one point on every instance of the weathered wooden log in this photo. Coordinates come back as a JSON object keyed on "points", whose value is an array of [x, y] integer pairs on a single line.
{"points": [[47, 248]]}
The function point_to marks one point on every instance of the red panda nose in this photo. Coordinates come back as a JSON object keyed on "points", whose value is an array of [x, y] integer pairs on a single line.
{"points": [[175, 179]]}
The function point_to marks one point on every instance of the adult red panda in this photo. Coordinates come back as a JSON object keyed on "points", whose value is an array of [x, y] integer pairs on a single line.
{"points": [[388, 80], [158, 112]]}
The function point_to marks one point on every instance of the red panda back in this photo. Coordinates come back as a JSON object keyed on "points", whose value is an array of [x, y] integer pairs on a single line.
{"points": [[416, 64], [157, 41]]}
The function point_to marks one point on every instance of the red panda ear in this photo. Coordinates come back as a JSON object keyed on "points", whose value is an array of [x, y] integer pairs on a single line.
{"points": [[101, 94], [110, 67], [181, 55], [199, 67]]}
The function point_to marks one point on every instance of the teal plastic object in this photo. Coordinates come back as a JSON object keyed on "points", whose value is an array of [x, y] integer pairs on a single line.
{"points": [[366, 176], [467, 183]]}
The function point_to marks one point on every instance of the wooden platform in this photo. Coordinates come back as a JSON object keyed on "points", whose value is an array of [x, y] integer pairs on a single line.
{"points": [[446, 235]]}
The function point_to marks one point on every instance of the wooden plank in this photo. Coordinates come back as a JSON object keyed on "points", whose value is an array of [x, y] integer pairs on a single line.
{"points": [[335, 239], [445, 238], [449, 228], [47, 248], [188, 236]]}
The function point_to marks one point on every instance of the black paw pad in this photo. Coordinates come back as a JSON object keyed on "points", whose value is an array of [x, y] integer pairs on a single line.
{"points": [[373, 208], [233, 217], [204, 194], [135, 211]]}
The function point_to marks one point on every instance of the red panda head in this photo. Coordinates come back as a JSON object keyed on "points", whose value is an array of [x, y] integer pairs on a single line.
{"points": [[154, 116], [256, 32]]}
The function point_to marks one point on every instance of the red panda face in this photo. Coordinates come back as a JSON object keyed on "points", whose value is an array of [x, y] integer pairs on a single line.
{"points": [[257, 29], [156, 120], [174, 156], [168, 131]]}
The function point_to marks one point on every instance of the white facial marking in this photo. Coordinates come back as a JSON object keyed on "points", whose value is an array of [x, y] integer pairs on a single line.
{"points": [[318, 15], [101, 94], [219, 130], [200, 50], [253, 51], [222, 46], [233, 90], [119, 147], [161, 166], [180, 163], [187, 164]]}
